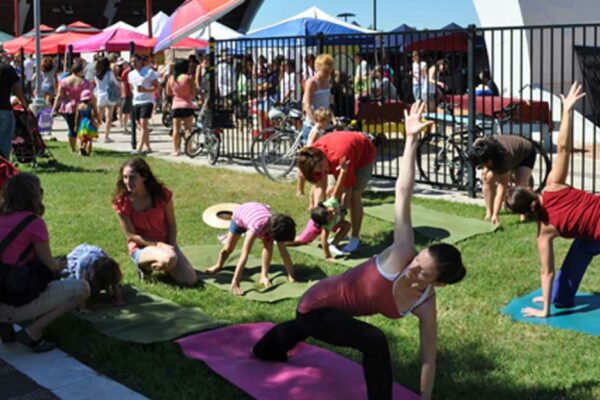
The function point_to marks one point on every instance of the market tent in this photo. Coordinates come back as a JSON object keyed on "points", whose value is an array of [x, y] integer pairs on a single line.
{"points": [[5, 37], [58, 42], [14, 46], [120, 25], [113, 40], [217, 31], [158, 22], [451, 38], [187, 43]]}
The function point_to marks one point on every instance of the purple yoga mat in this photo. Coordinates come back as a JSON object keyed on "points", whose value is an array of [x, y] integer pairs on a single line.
{"points": [[311, 373]]}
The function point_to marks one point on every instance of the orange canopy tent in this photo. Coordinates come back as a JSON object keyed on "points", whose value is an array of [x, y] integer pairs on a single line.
{"points": [[58, 42], [15, 45]]}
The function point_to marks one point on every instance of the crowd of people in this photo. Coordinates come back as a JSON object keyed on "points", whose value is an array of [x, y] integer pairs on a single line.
{"points": [[398, 282]]}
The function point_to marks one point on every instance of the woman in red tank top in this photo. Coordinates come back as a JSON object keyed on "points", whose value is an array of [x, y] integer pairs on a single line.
{"points": [[397, 282], [561, 211]]}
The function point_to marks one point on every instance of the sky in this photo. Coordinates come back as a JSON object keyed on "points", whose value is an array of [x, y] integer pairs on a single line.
{"points": [[430, 14]]}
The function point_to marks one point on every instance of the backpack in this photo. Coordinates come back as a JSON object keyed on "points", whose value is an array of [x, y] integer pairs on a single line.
{"points": [[21, 284]]}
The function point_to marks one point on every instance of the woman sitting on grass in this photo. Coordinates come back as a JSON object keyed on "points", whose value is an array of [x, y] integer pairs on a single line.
{"points": [[562, 211], [21, 200], [503, 158], [396, 283], [147, 216], [257, 221]]}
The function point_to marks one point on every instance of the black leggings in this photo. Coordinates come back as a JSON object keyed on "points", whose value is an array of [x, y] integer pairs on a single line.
{"points": [[338, 328]]}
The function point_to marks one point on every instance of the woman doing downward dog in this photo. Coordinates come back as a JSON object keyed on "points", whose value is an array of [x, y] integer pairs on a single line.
{"points": [[561, 211], [395, 283]]}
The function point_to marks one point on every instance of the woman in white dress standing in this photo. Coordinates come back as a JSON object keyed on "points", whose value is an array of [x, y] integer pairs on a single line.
{"points": [[107, 93]]}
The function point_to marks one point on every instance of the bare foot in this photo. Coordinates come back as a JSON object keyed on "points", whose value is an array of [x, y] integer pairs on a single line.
{"points": [[265, 281], [236, 290], [291, 279], [213, 270], [523, 218], [487, 217], [175, 154], [299, 193]]}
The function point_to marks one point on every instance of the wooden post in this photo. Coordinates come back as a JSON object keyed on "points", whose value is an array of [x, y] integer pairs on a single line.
{"points": [[17, 19], [149, 17]]}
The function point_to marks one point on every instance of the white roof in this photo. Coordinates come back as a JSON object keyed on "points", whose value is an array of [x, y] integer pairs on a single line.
{"points": [[218, 31], [317, 13], [120, 25], [158, 22]]}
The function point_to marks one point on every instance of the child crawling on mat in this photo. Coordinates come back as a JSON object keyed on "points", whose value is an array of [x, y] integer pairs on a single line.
{"points": [[327, 217], [92, 264], [257, 221]]}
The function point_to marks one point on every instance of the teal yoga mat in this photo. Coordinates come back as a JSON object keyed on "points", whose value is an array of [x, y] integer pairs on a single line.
{"points": [[435, 225], [147, 318], [202, 257], [584, 317]]}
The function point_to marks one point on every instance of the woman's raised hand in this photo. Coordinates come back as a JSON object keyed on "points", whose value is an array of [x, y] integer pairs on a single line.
{"points": [[575, 93], [413, 122]]}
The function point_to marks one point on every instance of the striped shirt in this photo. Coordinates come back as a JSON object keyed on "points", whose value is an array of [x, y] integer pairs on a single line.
{"points": [[253, 216]]}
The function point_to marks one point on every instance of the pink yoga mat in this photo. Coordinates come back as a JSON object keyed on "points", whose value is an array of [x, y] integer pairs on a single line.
{"points": [[311, 373]]}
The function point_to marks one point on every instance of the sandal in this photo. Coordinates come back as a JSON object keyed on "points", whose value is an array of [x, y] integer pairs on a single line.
{"points": [[37, 346], [7, 332]]}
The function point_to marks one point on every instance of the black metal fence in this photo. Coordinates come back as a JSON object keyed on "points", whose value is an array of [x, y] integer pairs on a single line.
{"points": [[476, 81]]}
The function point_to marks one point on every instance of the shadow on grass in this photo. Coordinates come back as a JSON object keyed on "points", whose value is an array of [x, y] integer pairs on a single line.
{"points": [[55, 166]]}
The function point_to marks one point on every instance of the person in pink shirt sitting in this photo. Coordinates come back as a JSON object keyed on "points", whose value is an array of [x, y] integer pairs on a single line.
{"points": [[147, 216], [258, 222]]}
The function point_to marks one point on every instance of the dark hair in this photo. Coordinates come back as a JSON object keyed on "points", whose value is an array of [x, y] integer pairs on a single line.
{"points": [[487, 149], [47, 64], [281, 228], [449, 263], [101, 67], [308, 159], [153, 186], [22, 192], [76, 68], [104, 272], [182, 66], [320, 215], [484, 75], [521, 200]]}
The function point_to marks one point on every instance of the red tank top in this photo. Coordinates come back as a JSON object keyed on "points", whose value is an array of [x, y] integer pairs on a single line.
{"points": [[361, 290], [575, 213]]}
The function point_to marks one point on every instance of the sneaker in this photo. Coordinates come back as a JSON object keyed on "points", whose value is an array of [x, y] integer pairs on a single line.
{"points": [[37, 346], [222, 238], [335, 251], [351, 246], [108, 140]]}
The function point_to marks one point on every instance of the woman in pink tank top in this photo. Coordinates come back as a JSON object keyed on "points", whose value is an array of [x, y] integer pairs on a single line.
{"points": [[561, 211], [395, 283], [182, 87]]}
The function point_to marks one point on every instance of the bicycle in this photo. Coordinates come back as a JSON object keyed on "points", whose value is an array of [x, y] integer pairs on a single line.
{"points": [[446, 154], [204, 139]]}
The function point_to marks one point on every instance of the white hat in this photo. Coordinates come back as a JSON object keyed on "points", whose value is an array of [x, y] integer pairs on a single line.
{"points": [[219, 216]]}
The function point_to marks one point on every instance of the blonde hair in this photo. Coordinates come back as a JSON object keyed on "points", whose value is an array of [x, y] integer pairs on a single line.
{"points": [[323, 114], [324, 61]]}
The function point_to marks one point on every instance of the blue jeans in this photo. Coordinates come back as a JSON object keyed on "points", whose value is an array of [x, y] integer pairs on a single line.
{"points": [[573, 268], [7, 129]]}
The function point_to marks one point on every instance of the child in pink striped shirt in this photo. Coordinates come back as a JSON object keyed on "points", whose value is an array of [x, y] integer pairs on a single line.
{"points": [[257, 221]]}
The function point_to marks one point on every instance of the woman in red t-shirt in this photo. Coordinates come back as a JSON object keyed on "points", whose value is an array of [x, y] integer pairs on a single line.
{"points": [[147, 216], [325, 156], [561, 211]]}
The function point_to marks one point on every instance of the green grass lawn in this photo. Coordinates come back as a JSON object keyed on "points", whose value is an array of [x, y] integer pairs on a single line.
{"points": [[481, 354]]}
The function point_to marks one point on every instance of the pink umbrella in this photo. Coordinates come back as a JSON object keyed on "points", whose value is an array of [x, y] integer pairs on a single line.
{"points": [[112, 40], [190, 17]]}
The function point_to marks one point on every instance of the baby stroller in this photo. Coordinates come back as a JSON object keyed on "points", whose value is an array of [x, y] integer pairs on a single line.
{"points": [[45, 121], [27, 142]]}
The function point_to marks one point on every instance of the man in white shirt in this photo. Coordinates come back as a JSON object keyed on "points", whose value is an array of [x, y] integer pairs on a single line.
{"points": [[29, 64], [361, 76], [288, 90], [225, 77], [419, 77], [143, 81]]}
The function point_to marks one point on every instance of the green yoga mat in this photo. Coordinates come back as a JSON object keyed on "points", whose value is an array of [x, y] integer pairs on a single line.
{"points": [[146, 318], [202, 257], [435, 225]]}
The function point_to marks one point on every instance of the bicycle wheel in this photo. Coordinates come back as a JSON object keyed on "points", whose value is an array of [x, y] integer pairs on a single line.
{"points": [[543, 170], [194, 144], [279, 155], [212, 145], [256, 148], [434, 156]]}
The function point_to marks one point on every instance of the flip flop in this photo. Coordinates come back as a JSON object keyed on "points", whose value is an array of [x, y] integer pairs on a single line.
{"points": [[37, 346]]}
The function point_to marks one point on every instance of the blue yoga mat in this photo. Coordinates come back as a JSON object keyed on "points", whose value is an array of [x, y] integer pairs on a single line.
{"points": [[584, 317]]}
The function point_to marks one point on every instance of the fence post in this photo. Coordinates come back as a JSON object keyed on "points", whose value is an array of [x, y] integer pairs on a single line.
{"points": [[69, 57], [471, 33], [320, 43], [132, 112], [23, 77], [212, 87]]}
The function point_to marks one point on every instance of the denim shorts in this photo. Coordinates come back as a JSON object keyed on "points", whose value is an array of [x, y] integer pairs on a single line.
{"points": [[135, 256], [235, 229]]}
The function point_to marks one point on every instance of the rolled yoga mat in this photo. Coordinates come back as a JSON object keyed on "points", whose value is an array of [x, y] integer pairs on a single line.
{"points": [[146, 318], [584, 317], [309, 373], [202, 257], [435, 225]]}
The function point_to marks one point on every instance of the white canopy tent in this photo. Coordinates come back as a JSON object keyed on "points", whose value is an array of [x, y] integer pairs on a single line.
{"points": [[537, 77], [158, 22], [218, 31], [120, 25]]}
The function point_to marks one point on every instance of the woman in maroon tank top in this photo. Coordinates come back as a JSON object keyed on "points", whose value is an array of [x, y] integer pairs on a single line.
{"points": [[561, 211], [395, 283]]}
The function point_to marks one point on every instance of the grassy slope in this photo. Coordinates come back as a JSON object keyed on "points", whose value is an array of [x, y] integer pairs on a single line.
{"points": [[482, 355]]}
